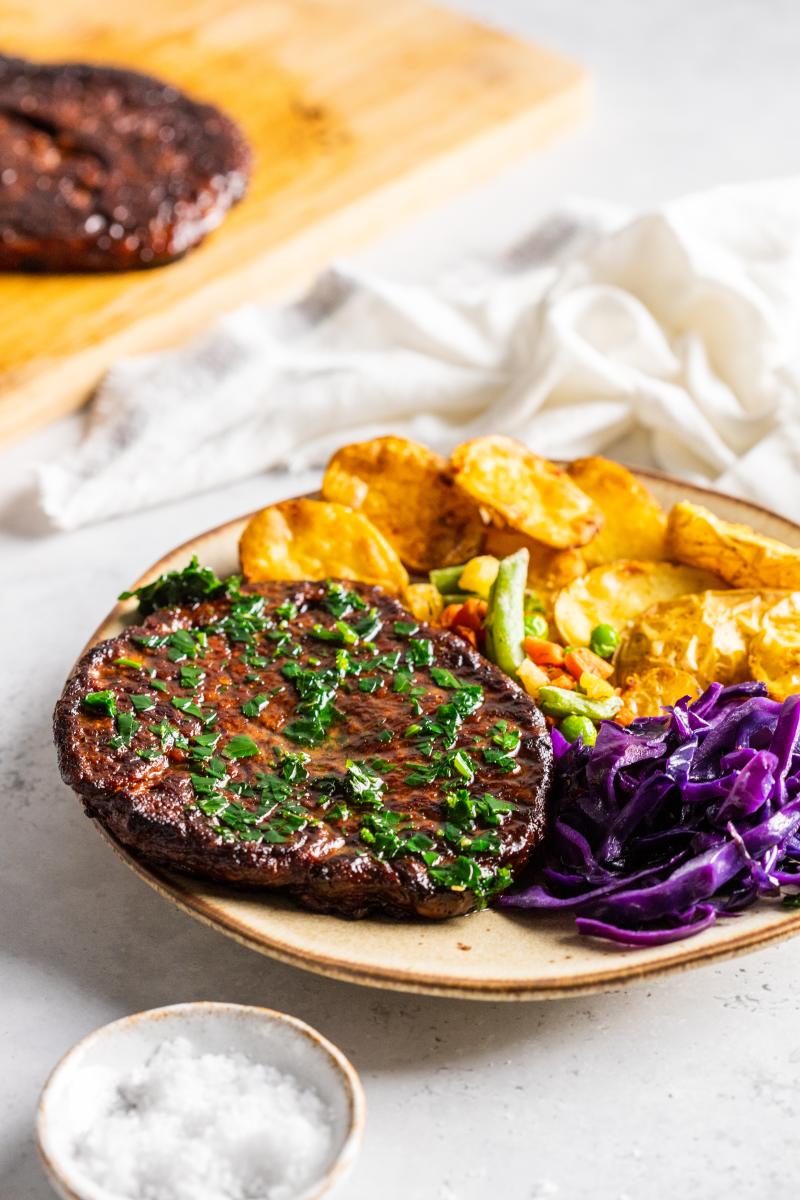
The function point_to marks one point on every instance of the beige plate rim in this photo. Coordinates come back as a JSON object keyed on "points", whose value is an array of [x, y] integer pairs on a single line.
{"points": [[213, 909]]}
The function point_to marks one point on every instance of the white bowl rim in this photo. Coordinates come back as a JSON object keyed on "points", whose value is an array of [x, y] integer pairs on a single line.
{"points": [[59, 1174]]}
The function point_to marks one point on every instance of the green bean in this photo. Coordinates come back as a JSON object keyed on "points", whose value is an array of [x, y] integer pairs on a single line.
{"points": [[575, 727], [559, 702], [446, 579], [505, 619]]}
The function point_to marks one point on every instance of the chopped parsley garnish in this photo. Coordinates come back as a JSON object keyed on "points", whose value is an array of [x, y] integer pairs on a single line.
{"points": [[186, 704], [188, 586], [286, 611], [104, 702], [191, 677], [446, 720], [254, 660], [370, 683], [292, 765], [420, 652], [388, 662], [505, 738], [450, 765], [128, 662], [316, 711], [252, 707], [418, 843], [340, 601], [341, 634], [246, 617], [447, 679], [506, 747], [204, 785], [464, 873], [368, 627], [240, 746], [168, 736], [181, 644], [364, 784], [379, 830], [405, 628], [126, 725], [142, 703]]}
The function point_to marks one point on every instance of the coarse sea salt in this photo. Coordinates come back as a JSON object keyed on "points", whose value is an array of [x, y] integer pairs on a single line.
{"points": [[193, 1126]]}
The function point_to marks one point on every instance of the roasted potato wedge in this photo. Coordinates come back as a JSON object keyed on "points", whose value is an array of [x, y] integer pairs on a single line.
{"points": [[616, 593], [634, 523], [648, 694], [549, 570], [736, 553], [312, 539], [774, 655], [706, 633], [408, 492], [526, 492]]}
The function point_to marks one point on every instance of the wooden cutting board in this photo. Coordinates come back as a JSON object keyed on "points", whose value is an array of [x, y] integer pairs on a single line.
{"points": [[361, 113]]}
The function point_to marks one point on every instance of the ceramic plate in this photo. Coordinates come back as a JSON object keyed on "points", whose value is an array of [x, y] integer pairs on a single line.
{"points": [[489, 955]]}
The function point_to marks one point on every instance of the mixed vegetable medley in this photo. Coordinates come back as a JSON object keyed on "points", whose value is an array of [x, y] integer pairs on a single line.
{"points": [[487, 602]]}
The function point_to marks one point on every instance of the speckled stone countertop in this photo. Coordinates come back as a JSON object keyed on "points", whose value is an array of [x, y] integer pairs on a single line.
{"points": [[688, 1085]]}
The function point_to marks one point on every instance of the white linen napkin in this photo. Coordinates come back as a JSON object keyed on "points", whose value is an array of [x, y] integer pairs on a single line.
{"points": [[681, 323]]}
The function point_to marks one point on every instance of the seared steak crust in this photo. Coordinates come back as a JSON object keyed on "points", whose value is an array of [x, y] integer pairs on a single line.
{"points": [[107, 170], [148, 801]]}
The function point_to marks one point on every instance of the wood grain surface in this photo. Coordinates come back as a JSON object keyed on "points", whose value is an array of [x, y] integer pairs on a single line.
{"points": [[360, 112]]}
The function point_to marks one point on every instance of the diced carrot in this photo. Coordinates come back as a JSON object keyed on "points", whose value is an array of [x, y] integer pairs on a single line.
{"points": [[472, 614], [580, 660], [563, 681], [544, 653], [447, 619], [469, 635]]}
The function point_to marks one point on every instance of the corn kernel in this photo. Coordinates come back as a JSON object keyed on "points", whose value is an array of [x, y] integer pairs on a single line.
{"points": [[479, 574], [595, 687], [531, 677]]}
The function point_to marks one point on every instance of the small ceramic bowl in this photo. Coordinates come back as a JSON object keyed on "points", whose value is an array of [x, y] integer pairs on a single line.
{"points": [[260, 1033]]}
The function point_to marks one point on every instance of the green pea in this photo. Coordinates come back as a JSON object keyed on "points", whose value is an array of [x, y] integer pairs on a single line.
{"points": [[536, 625], [604, 641], [573, 728]]}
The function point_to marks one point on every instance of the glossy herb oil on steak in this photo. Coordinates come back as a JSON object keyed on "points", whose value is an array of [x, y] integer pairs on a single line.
{"points": [[311, 737], [106, 170]]}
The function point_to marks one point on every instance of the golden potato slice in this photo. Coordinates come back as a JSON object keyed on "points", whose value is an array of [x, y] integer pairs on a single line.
{"points": [[707, 634], [549, 570], [615, 594], [774, 655], [408, 492], [634, 523], [525, 491], [648, 694], [311, 539], [736, 553]]}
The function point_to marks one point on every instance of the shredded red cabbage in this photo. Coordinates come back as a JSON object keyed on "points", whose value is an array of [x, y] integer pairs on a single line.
{"points": [[664, 826]]}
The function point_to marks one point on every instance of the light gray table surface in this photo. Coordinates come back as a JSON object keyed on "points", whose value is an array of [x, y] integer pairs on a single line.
{"points": [[687, 1085]]}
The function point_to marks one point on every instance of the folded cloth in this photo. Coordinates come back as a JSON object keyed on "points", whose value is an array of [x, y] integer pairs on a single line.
{"points": [[681, 324]]}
